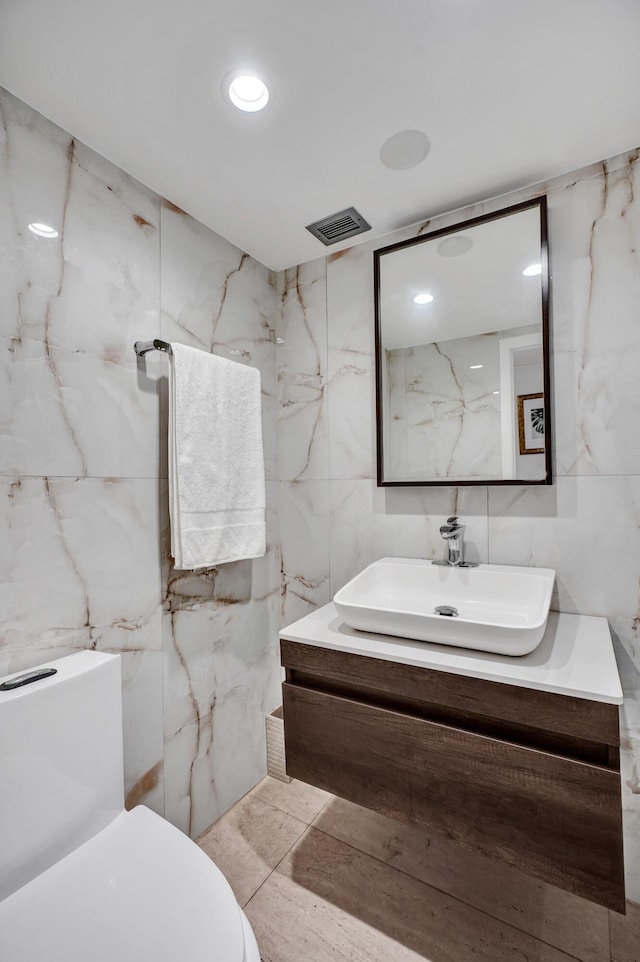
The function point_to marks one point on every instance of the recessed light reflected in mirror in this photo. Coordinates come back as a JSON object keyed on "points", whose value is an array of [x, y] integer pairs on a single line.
{"points": [[43, 230], [454, 246], [475, 367], [532, 270], [496, 392], [423, 298], [247, 92]]}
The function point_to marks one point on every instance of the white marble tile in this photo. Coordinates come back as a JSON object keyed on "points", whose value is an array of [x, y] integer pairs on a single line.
{"points": [[351, 367], [80, 569], [142, 728], [77, 415], [302, 374], [72, 307], [597, 409], [305, 557], [631, 829], [407, 521], [219, 299], [451, 410], [394, 414], [83, 545], [80, 556], [594, 224], [352, 541], [221, 678], [351, 414], [587, 528]]}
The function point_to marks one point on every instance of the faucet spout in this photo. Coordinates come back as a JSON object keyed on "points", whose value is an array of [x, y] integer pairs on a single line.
{"points": [[453, 534]]}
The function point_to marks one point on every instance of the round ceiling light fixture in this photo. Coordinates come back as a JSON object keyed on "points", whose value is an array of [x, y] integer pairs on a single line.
{"points": [[43, 230], [246, 91], [406, 149], [532, 270], [423, 298], [454, 246]]}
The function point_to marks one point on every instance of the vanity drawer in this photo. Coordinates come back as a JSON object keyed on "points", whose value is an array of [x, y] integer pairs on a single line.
{"points": [[373, 679], [553, 817]]}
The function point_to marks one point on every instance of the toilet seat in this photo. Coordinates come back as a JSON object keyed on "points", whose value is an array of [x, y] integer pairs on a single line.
{"points": [[137, 890]]}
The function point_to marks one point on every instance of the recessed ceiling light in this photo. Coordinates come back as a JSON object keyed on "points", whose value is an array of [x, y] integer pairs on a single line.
{"points": [[532, 270], [405, 149], [454, 246], [496, 392], [246, 91], [43, 230], [475, 367], [423, 298]]}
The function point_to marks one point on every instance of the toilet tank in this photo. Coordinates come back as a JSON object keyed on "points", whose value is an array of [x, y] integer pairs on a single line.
{"points": [[60, 763]]}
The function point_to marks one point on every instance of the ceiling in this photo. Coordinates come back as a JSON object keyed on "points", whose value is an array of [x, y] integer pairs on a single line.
{"points": [[480, 291], [509, 93]]}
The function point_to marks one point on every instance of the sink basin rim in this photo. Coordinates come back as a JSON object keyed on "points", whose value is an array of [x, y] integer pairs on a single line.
{"points": [[493, 632]]}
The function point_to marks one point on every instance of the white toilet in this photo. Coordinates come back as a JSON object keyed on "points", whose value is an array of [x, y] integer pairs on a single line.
{"points": [[81, 878]]}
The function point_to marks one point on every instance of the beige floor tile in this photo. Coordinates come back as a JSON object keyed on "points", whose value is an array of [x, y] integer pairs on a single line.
{"points": [[625, 934], [563, 920], [328, 902], [298, 799], [248, 842]]}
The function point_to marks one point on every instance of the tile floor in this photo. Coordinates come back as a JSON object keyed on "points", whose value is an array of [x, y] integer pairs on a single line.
{"points": [[323, 880]]}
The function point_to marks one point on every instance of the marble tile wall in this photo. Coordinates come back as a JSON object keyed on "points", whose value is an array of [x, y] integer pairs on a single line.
{"points": [[586, 526], [84, 541], [441, 412]]}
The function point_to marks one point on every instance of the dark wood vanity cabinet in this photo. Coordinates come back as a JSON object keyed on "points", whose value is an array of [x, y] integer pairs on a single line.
{"points": [[527, 776]]}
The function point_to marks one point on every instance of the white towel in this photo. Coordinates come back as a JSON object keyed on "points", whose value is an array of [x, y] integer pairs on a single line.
{"points": [[216, 460]]}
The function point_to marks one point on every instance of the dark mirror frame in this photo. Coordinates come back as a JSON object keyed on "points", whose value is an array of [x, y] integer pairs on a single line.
{"points": [[541, 204]]}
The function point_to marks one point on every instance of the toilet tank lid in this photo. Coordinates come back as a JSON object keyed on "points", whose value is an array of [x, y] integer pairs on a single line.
{"points": [[65, 668]]}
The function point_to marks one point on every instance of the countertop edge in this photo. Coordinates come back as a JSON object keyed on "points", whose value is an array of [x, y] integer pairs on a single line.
{"points": [[351, 643]]}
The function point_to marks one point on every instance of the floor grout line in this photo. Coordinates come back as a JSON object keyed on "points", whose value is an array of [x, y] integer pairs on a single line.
{"points": [[276, 866]]}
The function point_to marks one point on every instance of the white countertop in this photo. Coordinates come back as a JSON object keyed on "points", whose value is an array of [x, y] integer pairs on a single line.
{"points": [[575, 657]]}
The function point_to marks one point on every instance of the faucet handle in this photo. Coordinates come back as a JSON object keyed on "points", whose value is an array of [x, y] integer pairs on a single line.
{"points": [[453, 519]]}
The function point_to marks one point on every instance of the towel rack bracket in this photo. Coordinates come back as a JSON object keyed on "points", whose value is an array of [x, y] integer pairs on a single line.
{"points": [[143, 347]]}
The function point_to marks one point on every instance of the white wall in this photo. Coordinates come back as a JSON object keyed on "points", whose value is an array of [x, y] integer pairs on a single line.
{"points": [[334, 520], [84, 546]]}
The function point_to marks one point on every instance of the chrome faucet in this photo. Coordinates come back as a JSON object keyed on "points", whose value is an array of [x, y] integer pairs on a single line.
{"points": [[453, 534]]}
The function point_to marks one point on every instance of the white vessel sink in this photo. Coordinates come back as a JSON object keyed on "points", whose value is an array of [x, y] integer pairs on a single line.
{"points": [[500, 608]]}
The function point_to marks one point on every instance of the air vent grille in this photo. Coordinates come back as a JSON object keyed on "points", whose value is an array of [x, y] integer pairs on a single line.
{"points": [[337, 227]]}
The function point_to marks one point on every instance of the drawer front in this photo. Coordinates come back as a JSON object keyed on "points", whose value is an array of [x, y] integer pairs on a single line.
{"points": [[552, 817], [357, 676]]}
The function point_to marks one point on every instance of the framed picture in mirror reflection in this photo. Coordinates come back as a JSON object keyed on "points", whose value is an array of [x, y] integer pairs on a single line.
{"points": [[531, 423]]}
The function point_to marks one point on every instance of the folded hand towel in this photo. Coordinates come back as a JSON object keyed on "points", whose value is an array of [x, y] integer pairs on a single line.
{"points": [[216, 460]]}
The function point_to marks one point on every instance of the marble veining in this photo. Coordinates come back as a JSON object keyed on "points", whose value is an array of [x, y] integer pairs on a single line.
{"points": [[302, 373], [83, 501], [586, 525], [444, 417]]}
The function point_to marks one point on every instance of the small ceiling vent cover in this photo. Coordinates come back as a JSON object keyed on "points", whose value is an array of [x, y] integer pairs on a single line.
{"points": [[337, 227]]}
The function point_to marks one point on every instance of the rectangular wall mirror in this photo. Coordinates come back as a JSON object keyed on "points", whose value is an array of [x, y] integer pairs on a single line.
{"points": [[462, 353]]}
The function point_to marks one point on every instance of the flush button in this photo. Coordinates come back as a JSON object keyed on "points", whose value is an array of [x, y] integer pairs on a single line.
{"points": [[27, 678]]}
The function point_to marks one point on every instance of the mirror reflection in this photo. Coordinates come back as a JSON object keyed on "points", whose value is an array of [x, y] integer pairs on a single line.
{"points": [[462, 353]]}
